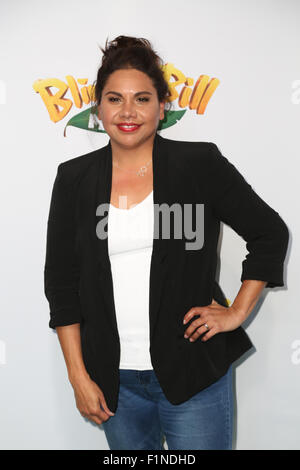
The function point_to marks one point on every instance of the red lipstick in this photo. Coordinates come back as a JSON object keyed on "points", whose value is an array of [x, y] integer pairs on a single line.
{"points": [[128, 126]]}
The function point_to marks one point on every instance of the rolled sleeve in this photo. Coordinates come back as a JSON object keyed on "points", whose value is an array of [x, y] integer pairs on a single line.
{"points": [[236, 204], [61, 270]]}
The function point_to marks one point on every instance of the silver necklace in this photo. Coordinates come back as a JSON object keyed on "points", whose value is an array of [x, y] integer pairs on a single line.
{"points": [[141, 172]]}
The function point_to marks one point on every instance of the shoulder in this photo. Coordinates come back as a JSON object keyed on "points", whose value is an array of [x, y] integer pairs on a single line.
{"points": [[189, 145], [73, 169], [203, 161], [79, 163], [184, 152]]}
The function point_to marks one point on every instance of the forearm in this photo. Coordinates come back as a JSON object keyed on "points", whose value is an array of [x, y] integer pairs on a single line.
{"points": [[70, 341], [247, 297]]}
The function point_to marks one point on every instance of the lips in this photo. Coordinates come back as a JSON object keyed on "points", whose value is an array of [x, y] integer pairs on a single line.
{"points": [[128, 127]]}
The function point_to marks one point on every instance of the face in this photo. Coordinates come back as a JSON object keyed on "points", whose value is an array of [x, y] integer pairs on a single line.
{"points": [[130, 97]]}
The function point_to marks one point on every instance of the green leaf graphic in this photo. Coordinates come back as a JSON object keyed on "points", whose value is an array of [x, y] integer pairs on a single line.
{"points": [[83, 119], [171, 117]]}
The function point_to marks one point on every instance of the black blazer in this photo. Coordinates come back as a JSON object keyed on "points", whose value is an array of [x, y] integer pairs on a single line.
{"points": [[78, 279]]}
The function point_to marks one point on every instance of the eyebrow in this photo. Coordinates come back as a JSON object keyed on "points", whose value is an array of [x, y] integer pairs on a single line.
{"points": [[136, 94]]}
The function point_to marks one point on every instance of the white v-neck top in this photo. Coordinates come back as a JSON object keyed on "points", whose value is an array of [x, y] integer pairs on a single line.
{"points": [[130, 242]]}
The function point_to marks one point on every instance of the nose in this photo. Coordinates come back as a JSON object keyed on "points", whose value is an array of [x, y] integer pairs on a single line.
{"points": [[128, 109]]}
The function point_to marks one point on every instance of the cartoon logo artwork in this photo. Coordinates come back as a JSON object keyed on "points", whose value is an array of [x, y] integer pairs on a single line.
{"points": [[195, 98]]}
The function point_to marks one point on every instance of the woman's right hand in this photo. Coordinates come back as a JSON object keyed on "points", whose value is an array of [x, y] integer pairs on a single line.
{"points": [[89, 397]]}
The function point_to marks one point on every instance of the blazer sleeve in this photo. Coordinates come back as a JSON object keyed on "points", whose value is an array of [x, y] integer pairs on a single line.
{"points": [[61, 271], [236, 203]]}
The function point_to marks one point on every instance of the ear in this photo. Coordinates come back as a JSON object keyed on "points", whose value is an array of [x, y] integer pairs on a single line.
{"points": [[162, 110]]}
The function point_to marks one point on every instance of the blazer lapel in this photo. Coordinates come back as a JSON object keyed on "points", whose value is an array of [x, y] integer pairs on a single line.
{"points": [[160, 246]]}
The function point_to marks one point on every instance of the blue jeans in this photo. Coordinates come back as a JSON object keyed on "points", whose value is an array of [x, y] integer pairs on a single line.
{"points": [[144, 416]]}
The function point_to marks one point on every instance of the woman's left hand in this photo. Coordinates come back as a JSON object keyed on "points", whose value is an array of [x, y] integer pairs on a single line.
{"points": [[217, 317]]}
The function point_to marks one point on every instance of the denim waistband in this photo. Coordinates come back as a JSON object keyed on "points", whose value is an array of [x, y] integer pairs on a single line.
{"points": [[134, 376]]}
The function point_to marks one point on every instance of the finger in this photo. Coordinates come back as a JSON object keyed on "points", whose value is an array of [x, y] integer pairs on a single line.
{"points": [[98, 416], [193, 326], [97, 420], [199, 332], [105, 407], [209, 334], [193, 311]]}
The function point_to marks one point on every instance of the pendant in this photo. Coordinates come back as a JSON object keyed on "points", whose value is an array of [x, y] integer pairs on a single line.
{"points": [[142, 171]]}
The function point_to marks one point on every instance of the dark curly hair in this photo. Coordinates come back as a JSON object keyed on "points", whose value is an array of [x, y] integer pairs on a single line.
{"points": [[126, 52]]}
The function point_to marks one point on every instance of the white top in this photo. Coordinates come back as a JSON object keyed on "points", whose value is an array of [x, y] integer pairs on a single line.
{"points": [[130, 240]]}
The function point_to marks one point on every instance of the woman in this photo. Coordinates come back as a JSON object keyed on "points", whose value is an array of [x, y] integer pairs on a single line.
{"points": [[155, 363]]}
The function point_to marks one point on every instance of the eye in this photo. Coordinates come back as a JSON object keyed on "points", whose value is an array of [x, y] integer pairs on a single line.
{"points": [[113, 98]]}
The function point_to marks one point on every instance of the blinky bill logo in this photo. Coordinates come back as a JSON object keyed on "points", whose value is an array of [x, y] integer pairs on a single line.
{"points": [[195, 96]]}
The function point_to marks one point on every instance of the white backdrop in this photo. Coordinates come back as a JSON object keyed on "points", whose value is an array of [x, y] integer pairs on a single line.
{"points": [[253, 116]]}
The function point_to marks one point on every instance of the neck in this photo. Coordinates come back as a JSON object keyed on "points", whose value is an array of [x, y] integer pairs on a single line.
{"points": [[134, 156]]}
